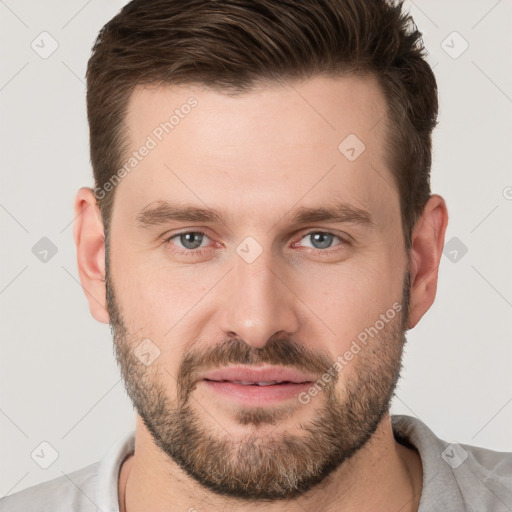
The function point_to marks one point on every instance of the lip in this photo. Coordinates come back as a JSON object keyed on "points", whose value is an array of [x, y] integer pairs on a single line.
{"points": [[254, 374], [285, 384], [261, 396]]}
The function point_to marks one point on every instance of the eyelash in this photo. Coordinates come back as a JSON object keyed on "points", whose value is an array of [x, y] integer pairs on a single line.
{"points": [[200, 250]]}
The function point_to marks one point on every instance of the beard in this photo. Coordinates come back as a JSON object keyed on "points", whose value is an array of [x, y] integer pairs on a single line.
{"points": [[263, 466]]}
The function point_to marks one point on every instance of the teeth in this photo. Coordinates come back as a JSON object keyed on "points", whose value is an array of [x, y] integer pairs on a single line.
{"points": [[246, 383]]}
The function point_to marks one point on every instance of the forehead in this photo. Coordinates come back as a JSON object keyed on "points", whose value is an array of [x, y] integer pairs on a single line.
{"points": [[300, 141], [321, 109]]}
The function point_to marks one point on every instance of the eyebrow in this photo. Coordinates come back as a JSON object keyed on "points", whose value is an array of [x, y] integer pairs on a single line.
{"points": [[162, 212]]}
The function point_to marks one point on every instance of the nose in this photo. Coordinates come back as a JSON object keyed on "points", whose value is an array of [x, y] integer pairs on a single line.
{"points": [[259, 302]]}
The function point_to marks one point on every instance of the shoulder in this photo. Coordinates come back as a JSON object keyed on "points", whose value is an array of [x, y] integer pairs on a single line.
{"points": [[469, 477], [486, 475], [89, 489], [71, 492]]}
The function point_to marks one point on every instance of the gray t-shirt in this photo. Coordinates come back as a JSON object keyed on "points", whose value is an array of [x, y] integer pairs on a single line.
{"points": [[456, 478]]}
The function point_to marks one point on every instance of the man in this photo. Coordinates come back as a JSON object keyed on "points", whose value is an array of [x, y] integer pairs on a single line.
{"points": [[260, 237]]}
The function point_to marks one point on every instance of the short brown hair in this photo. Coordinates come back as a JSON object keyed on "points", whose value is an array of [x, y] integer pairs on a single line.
{"points": [[232, 45]]}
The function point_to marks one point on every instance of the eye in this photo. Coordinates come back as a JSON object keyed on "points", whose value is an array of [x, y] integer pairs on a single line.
{"points": [[322, 239], [193, 242], [189, 240]]}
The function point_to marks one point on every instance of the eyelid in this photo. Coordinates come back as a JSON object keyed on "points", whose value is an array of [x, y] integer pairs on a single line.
{"points": [[168, 238], [345, 239]]}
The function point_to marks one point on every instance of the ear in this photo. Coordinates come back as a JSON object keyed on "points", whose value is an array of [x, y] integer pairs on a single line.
{"points": [[425, 256], [89, 238]]}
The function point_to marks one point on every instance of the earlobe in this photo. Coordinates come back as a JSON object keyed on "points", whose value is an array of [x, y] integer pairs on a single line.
{"points": [[88, 233], [425, 257]]}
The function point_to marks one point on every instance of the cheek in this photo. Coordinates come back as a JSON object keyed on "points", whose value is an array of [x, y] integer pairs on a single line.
{"points": [[163, 299], [351, 297], [142, 301]]}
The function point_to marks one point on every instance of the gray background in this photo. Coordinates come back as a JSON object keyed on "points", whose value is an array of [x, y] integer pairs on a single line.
{"points": [[59, 381]]}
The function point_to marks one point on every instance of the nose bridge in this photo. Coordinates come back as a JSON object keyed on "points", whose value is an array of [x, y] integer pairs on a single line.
{"points": [[258, 303]]}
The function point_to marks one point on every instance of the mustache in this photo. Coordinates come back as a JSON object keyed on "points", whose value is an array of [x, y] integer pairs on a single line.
{"points": [[278, 351]]}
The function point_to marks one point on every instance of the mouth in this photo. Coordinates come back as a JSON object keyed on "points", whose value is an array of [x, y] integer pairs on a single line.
{"points": [[249, 385], [257, 375]]}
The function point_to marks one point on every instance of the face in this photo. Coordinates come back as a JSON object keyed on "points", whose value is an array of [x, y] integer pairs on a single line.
{"points": [[302, 267]]}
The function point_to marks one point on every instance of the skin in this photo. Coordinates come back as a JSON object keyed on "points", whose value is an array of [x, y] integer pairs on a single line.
{"points": [[257, 157]]}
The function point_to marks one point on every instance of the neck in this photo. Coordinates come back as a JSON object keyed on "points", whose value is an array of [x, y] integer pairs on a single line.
{"points": [[383, 475]]}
